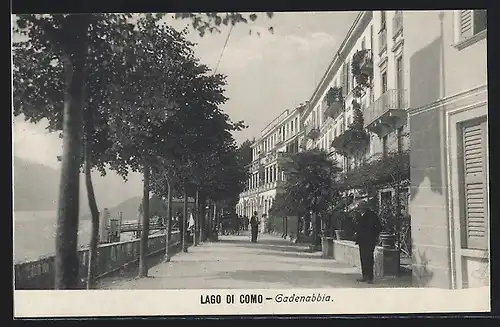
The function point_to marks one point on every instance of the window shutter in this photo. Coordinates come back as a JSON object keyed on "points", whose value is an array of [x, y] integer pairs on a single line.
{"points": [[344, 82], [475, 185], [465, 23]]}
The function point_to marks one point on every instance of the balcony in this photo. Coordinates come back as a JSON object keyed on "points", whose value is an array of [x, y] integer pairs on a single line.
{"points": [[334, 109], [303, 143], [382, 41], [351, 141], [387, 113], [284, 158], [397, 24], [312, 131], [279, 139], [366, 63]]}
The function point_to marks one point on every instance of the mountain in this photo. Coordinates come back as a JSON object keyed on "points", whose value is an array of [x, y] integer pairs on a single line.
{"points": [[130, 207], [35, 186]]}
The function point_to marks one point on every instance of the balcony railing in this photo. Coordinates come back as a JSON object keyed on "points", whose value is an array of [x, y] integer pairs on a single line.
{"points": [[312, 130], [303, 143], [397, 24], [386, 112], [382, 41], [334, 109], [284, 158], [279, 139]]}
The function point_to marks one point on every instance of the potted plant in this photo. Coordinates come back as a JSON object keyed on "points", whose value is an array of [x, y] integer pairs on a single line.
{"points": [[388, 220], [340, 218], [334, 101]]}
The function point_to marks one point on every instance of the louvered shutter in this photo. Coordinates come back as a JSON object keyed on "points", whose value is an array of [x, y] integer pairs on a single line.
{"points": [[475, 184], [465, 23], [344, 80]]}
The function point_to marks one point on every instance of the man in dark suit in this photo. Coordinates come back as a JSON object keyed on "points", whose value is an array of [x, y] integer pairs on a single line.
{"points": [[254, 224], [368, 228]]}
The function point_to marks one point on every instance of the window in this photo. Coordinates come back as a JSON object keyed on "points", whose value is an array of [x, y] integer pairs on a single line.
{"points": [[474, 192], [384, 82], [348, 77], [400, 138], [291, 126], [472, 22], [371, 37], [384, 146], [353, 80], [382, 20]]}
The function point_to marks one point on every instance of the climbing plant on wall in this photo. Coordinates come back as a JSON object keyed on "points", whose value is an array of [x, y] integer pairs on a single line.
{"points": [[334, 94]]}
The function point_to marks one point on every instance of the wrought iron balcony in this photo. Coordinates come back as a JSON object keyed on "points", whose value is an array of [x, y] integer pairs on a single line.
{"points": [[312, 131], [387, 113], [397, 23], [382, 41], [334, 109]]}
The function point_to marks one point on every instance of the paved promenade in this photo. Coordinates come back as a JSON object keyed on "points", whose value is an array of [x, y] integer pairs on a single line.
{"points": [[234, 262]]}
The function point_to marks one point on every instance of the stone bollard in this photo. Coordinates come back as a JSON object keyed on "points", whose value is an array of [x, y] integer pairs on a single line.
{"points": [[387, 262], [327, 247]]}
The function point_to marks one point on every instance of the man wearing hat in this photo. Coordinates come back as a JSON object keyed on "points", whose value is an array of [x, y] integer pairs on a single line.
{"points": [[368, 228]]}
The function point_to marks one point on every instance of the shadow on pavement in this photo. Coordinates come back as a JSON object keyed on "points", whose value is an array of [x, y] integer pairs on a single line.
{"points": [[265, 244], [295, 254], [131, 271], [310, 279]]}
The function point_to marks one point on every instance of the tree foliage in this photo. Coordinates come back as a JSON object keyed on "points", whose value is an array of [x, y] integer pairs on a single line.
{"points": [[149, 106], [311, 180], [211, 22]]}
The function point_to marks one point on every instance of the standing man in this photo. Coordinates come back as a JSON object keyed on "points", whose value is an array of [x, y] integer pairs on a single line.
{"points": [[254, 224], [368, 228]]}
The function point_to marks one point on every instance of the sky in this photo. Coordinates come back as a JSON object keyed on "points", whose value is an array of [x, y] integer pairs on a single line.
{"points": [[266, 75]]}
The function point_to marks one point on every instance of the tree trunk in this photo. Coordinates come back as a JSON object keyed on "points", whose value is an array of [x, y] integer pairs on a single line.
{"points": [[203, 221], [184, 221], [66, 258], [316, 221], [209, 224], [94, 211], [215, 228], [168, 229], [143, 254], [197, 218]]}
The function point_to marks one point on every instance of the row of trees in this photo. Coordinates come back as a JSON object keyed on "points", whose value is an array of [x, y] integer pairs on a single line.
{"points": [[126, 94]]}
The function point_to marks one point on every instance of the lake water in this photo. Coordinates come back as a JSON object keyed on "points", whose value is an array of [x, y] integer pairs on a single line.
{"points": [[34, 234]]}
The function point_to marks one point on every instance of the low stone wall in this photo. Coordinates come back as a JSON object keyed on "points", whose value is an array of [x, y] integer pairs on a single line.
{"points": [[39, 274], [386, 261], [346, 252]]}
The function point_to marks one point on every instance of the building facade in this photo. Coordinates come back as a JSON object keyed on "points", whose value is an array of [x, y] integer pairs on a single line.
{"points": [[426, 83], [447, 61], [278, 139]]}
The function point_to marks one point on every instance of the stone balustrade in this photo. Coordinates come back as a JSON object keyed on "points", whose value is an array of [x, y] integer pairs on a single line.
{"points": [[39, 274]]}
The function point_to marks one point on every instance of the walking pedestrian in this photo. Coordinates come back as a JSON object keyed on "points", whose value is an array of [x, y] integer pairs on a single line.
{"points": [[254, 225], [368, 228]]}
